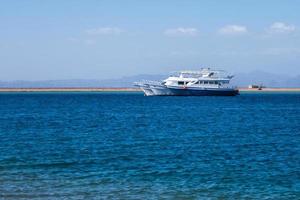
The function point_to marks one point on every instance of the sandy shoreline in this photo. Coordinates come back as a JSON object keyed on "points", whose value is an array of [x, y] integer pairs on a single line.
{"points": [[127, 90]]}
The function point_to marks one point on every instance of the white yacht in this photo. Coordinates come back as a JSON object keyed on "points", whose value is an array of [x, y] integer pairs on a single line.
{"points": [[206, 82]]}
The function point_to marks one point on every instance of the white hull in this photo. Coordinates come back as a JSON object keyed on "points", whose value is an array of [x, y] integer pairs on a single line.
{"points": [[179, 91], [160, 90], [147, 91]]}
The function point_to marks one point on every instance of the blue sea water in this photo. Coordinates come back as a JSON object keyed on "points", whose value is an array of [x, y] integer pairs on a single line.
{"points": [[127, 146]]}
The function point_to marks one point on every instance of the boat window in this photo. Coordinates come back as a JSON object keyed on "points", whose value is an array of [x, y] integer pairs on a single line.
{"points": [[196, 82], [201, 82], [205, 82], [216, 82], [186, 83], [180, 83], [211, 82]]}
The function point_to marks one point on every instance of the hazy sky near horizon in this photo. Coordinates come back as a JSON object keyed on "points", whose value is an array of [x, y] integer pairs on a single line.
{"points": [[99, 39]]}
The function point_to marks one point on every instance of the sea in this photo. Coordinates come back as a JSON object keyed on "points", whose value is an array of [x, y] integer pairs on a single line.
{"points": [[123, 145]]}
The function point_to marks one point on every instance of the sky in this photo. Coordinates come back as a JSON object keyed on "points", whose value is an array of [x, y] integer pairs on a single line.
{"points": [[102, 39]]}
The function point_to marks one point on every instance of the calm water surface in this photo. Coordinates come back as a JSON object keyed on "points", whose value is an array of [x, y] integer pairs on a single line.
{"points": [[127, 146]]}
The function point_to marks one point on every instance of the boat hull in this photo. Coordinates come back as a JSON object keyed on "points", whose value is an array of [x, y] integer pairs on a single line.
{"points": [[161, 91], [204, 92], [147, 91]]}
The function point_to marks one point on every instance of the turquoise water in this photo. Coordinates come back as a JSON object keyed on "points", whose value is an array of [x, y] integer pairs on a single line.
{"points": [[127, 146]]}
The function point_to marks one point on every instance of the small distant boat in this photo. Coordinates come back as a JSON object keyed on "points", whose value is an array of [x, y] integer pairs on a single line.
{"points": [[205, 82], [259, 87]]}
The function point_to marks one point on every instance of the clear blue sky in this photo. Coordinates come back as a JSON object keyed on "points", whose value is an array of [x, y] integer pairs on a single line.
{"points": [[101, 39]]}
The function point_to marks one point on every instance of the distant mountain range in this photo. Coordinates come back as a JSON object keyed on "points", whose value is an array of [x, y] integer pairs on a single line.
{"points": [[241, 80]]}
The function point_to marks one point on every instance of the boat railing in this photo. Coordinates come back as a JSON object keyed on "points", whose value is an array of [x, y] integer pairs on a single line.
{"points": [[211, 75]]}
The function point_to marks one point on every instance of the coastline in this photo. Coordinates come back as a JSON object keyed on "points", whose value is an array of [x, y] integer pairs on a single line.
{"points": [[127, 90]]}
